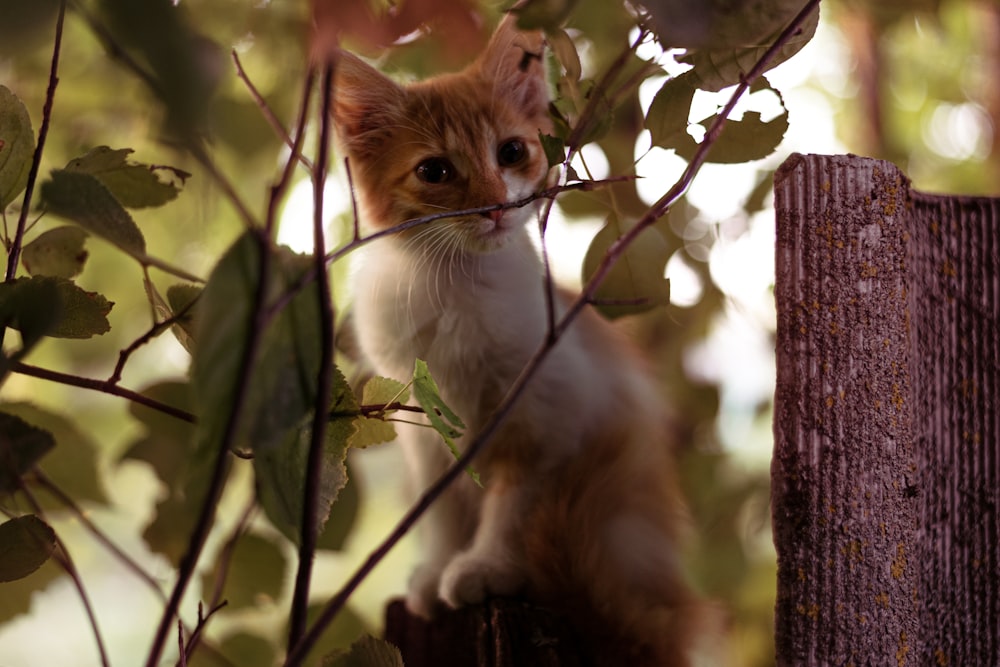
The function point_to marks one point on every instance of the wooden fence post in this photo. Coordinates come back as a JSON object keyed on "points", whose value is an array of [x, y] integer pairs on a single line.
{"points": [[886, 470], [498, 633]]}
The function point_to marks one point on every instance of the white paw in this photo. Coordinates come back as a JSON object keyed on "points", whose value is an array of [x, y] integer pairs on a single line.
{"points": [[422, 591], [470, 578]]}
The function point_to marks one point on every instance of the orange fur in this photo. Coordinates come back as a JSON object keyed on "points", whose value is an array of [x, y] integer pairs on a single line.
{"points": [[581, 510]]}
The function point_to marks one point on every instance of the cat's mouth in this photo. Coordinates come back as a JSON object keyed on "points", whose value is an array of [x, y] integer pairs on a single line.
{"points": [[493, 230]]}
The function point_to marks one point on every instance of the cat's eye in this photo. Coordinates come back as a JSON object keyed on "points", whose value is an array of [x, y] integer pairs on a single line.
{"points": [[511, 152], [435, 170]]}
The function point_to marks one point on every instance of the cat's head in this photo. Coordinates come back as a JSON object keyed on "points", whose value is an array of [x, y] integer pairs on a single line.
{"points": [[457, 141]]}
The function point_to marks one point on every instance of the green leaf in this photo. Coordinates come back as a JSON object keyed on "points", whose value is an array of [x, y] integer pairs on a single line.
{"points": [[718, 68], [134, 185], [33, 306], [255, 574], [366, 652], [426, 391], [47, 306], [73, 464], [442, 418], [636, 282], [82, 198], [21, 447], [374, 430], [182, 299], [17, 147], [281, 390], [26, 542], [741, 140], [667, 117], [281, 471], [58, 252], [554, 147], [343, 516]]}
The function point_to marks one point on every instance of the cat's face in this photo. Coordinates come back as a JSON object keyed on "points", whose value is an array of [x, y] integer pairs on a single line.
{"points": [[458, 141]]}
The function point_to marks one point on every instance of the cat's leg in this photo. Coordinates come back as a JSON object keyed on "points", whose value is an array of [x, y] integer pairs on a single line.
{"points": [[494, 564], [447, 526]]}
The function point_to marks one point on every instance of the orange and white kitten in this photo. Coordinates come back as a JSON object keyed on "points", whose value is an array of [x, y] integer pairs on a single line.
{"points": [[580, 510]]}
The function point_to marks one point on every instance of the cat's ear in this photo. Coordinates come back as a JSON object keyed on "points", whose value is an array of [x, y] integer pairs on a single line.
{"points": [[514, 61], [365, 102]]}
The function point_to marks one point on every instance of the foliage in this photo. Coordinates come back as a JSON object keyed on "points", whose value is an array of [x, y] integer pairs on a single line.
{"points": [[91, 209]]}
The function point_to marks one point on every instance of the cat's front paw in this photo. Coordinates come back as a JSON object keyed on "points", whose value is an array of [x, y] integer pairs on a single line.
{"points": [[422, 591], [470, 578]]}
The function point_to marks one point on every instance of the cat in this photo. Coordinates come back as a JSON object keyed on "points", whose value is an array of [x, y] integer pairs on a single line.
{"points": [[580, 509]]}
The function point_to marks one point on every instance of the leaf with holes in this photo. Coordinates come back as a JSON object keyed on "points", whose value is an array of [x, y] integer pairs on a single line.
{"points": [[134, 185], [441, 417], [667, 117], [718, 68]]}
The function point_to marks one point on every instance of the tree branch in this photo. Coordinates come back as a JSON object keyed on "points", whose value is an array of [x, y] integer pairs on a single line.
{"points": [[14, 253], [268, 113], [102, 386], [309, 530]]}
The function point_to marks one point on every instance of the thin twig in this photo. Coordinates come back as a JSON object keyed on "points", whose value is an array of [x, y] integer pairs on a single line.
{"points": [[548, 193], [309, 530], [223, 562], [46, 483], [104, 387], [501, 413], [279, 188], [154, 331], [267, 112], [14, 256], [186, 652], [65, 561]]}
